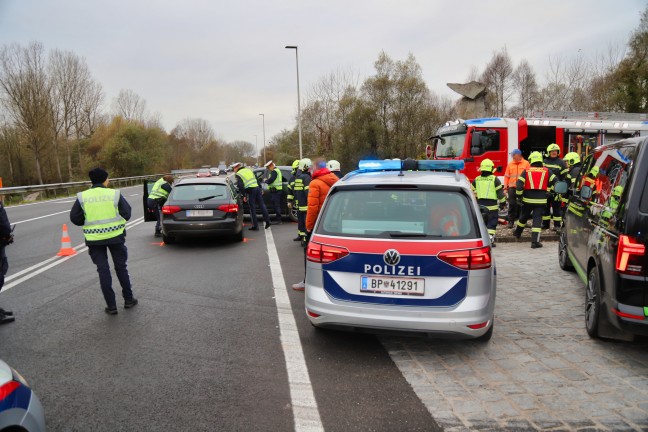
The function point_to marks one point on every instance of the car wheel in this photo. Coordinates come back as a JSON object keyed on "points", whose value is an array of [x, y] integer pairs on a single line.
{"points": [[593, 303], [563, 256], [293, 214], [486, 336], [168, 239]]}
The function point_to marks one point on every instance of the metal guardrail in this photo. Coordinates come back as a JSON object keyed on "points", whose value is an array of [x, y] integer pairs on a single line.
{"points": [[23, 190]]}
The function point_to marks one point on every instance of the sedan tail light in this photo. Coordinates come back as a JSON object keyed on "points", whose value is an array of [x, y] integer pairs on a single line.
{"points": [[468, 259], [630, 256], [170, 209], [229, 208], [324, 254]]}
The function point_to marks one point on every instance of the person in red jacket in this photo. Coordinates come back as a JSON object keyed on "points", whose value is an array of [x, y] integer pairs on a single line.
{"points": [[320, 185]]}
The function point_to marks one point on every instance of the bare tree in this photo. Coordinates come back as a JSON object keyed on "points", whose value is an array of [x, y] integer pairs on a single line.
{"points": [[498, 78], [129, 105], [197, 133], [526, 87], [26, 95], [567, 82]]}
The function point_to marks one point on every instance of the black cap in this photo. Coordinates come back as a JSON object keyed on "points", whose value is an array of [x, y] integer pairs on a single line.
{"points": [[98, 175]]}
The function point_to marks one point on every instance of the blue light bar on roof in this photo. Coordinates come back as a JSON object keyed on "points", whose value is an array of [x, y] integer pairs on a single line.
{"points": [[441, 165], [379, 165]]}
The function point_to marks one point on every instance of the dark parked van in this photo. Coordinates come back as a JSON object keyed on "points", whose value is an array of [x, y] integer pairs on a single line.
{"points": [[604, 238]]}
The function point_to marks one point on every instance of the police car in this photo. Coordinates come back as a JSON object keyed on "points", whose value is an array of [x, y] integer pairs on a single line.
{"points": [[402, 246], [20, 408]]}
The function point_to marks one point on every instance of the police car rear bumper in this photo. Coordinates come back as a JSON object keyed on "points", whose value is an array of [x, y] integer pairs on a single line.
{"points": [[451, 322]]}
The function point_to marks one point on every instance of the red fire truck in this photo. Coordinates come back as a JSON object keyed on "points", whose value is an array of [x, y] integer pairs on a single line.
{"points": [[495, 137]]}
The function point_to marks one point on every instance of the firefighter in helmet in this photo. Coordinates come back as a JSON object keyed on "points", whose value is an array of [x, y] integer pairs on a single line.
{"points": [[558, 168], [490, 193]]}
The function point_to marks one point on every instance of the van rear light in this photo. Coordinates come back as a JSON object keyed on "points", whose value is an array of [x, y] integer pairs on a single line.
{"points": [[324, 254], [630, 256], [229, 208], [312, 314], [468, 259], [478, 326], [171, 209], [8, 388]]}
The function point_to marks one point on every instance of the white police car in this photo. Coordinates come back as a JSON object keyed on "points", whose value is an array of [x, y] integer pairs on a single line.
{"points": [[402, 246], [20, 408]]}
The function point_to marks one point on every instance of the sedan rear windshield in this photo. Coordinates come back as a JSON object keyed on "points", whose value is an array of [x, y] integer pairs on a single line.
{"points": [[402, 214], [198, 192]]}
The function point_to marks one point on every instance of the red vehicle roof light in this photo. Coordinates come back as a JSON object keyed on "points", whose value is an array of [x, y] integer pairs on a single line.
{"points": [[324, 254], [8, 388], [630, 255], [229, 208], [468, 259], [170, 209]]}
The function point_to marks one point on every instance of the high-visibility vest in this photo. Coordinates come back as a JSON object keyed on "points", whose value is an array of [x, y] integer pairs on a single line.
{"points": [[248, 177], [102, 218], [157, 192], [277, 184], [485, 187], [537, 178]]}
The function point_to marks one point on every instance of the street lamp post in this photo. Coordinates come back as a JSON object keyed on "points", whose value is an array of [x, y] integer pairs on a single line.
{"points": [[264, 146], [298, 100], [256, 149]]}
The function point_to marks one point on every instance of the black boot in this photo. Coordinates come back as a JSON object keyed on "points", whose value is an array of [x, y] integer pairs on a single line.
{"points": [[6, 312], [536, 245], [6, 319]]}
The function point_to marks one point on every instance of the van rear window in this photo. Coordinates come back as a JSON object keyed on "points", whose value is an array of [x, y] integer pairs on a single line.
{"points": [[398, 213]]}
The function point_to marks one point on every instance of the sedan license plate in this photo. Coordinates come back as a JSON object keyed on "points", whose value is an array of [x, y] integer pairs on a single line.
{"points": [[392, 285], [200, 213]]}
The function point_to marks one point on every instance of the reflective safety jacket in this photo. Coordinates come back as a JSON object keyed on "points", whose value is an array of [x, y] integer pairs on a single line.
{"points": [[159, 193], [513, 171], [275, 182], [102, 218], [248, 179], [302, 184], [534, 184], [557, 166], [489, 191]]}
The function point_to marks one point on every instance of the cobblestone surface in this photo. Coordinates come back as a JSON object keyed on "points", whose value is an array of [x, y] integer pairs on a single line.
{"points": [[540, 371]]}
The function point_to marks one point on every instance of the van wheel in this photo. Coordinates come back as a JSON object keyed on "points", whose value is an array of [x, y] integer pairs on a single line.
{"points": [[593, 303], [488, 335], [563, 256], [168, 239]]}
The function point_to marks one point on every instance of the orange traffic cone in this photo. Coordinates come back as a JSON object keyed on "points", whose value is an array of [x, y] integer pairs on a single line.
{"points": [[66, 244]]}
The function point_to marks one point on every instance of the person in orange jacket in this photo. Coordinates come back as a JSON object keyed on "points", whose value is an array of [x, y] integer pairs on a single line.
{"points": [[320, 185], [513, 171]]}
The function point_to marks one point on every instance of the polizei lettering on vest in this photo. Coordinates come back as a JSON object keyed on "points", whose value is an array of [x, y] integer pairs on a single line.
{"points": [[393, 270], [93, 199]]}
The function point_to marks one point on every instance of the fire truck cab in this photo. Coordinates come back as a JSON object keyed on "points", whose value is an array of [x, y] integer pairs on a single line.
{"points": [[495, 137]]}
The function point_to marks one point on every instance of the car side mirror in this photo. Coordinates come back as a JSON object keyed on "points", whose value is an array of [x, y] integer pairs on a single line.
{"points": [[561, 187], [485, 213], [586, 192]]}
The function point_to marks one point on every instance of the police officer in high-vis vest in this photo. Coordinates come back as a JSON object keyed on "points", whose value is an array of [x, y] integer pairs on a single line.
{"points": [[248, 186], [103, 214], [275, 186], [532, 189], [156, 199], [490, 193]]}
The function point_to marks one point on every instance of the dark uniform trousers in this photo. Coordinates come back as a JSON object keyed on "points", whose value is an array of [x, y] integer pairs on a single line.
{"points": [[552, 212], [156, 206], [275, 199], [531, 210], [4, 266], [255, 197], [99, 255], [513, 206]]}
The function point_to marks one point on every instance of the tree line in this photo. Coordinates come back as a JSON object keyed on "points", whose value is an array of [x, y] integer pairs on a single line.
{"points": [[54, 127]]}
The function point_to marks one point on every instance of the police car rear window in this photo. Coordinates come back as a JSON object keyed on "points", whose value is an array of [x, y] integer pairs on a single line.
{"points": [[193, 192], [398, 213]]}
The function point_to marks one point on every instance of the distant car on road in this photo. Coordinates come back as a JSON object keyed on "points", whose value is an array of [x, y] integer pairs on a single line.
{"points": [[214, 171], [20, 408], [402, 248], [202, 207], [204, 172], [286, 172], [605, 236]]}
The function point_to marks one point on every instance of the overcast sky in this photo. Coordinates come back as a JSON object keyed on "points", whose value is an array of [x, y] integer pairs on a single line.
{"points": [[225, 61]]}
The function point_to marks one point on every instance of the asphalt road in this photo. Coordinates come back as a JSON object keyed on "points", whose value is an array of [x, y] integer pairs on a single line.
{"points": [[202, 351]]}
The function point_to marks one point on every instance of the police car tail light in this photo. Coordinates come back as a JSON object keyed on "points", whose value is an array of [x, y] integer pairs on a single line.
{"points": [[324, 254], [468, 259], [8, 388], [229, 208], [170, 209], [630, 256]]}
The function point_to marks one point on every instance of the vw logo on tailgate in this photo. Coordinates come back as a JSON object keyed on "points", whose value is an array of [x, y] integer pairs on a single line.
{"points": [[391, 257]]}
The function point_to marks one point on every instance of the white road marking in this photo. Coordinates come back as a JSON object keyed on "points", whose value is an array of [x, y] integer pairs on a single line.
{"points": [[305, 412], [40, 217], [56, 200], [48, 264], [134, 195]]}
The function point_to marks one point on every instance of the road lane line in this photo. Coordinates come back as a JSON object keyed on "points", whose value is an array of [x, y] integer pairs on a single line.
{"points": [[57, 199], [40, 217], [304, 406], [48, 264]]}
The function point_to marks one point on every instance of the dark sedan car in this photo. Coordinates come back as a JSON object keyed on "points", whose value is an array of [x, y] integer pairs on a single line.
{"points": [[286, 172], [202, 207]]}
